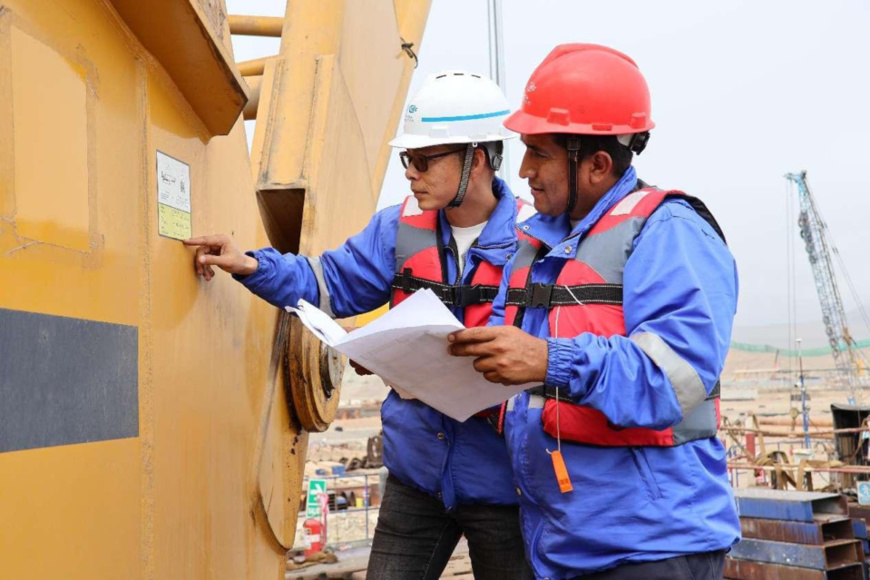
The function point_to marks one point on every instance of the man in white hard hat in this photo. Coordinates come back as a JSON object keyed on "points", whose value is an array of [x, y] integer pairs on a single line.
{"points": [[453, 235]]}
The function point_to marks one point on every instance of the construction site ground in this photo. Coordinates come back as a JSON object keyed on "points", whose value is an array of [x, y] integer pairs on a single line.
{"points": [[352, 564]]}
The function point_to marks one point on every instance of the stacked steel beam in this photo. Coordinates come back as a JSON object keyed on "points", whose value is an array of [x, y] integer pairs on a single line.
{"points": [[792, 535], [860, 515]]}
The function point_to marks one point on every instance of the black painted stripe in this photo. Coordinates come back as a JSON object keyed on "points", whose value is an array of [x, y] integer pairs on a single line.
{"points": [[65, 381]]}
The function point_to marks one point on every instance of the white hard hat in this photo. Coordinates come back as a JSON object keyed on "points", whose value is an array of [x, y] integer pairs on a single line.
{"points": [[455, 107]]}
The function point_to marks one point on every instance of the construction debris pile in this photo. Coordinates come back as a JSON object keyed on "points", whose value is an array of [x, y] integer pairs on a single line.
{"points": [[830, 454]]}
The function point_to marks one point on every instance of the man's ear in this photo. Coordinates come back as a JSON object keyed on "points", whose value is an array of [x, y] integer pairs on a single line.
{"points": [[479, 161], [601, 167]]}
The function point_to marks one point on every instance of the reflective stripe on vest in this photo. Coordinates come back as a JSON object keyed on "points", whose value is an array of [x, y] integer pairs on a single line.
{"points": [[587, 297]]}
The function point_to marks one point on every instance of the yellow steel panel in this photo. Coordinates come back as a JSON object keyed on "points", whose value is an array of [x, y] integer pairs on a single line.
{"points": [[280, 473], [210, 354], [192, 53], [373, 90], [49, 108], [215, 433], [336, 167], [296, 443], [411, 16], [71, 512], [310, 29], [98, 282], [215, 12], [354, 35]]}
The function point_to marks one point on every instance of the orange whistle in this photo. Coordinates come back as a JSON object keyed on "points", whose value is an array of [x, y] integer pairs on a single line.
{"points": [[561, 472]]}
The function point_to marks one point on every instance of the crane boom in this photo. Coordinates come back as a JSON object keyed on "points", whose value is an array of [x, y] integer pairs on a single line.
{"points": [[814, 233]]}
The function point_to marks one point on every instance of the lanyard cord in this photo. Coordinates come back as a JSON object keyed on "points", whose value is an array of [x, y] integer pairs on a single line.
{"points": [[558, 424]]}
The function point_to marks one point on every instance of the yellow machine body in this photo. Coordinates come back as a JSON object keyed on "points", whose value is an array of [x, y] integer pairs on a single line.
{"points": [[146, 417]]}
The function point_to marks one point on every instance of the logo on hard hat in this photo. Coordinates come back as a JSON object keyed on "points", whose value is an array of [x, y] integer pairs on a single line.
{"points": [[531, 88], [412, 109]]}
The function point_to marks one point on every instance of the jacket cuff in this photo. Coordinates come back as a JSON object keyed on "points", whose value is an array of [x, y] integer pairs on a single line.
{"points": [[252, 281], [559, 355]]}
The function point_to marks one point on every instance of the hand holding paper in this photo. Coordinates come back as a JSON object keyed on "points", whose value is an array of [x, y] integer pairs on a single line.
{"points": [[504, 354], [407, 347]]}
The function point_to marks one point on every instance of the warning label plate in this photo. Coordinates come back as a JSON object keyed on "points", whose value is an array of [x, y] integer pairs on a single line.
{"points": [[173, 197]]}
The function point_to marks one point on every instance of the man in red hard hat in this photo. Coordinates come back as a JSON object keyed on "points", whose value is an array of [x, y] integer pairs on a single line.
{"points": [[619, 302]]}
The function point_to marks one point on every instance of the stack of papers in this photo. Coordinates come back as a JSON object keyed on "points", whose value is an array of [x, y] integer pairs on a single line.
{"points": [[407, 347]]}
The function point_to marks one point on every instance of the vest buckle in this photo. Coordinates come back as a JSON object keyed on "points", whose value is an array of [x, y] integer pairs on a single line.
{"points": [[541, 295], [467, 295]]}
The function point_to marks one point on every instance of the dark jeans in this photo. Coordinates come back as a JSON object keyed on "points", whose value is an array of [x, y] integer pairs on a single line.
{"points": [[706, 566], [415, 537]]}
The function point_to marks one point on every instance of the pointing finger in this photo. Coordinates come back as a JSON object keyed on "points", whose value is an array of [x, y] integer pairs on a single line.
{"points": [[218, 240]]}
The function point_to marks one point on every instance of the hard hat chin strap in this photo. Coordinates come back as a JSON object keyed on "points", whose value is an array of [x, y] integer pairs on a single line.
{"points": [[573, 163], [466, 173]]}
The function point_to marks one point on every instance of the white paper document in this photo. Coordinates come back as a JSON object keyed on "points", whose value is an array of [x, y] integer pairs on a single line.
{"points": [[407, 347]]}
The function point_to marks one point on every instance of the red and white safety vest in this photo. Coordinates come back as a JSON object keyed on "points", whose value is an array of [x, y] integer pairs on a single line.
{"points": [[587, 297], [420, 263]]}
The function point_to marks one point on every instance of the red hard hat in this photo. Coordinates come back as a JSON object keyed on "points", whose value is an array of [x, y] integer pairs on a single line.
{"points": [[584, 89]]}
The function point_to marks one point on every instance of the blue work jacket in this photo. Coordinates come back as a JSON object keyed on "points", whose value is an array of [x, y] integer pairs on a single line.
{"points": [[629, 504]]}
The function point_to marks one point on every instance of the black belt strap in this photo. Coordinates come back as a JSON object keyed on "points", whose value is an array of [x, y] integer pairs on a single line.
{"points": [[549, 392], [457, 296], [549, 295]]}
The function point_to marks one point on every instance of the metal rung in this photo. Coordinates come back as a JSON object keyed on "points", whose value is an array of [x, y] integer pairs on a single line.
{"points": [[256, 25], [253, 67], [250, 111]]}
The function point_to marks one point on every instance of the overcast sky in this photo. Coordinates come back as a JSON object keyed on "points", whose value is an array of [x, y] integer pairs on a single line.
{"points": [[742, 93]]}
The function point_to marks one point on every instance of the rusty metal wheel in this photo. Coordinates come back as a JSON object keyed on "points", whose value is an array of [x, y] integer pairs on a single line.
{"points": [[313, 372]]}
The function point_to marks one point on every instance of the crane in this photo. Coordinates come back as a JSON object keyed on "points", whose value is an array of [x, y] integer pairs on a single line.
{"points": [[814, 233]]}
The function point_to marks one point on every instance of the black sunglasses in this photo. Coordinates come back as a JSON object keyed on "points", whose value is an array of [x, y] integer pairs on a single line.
{"points": [[421, 162]]}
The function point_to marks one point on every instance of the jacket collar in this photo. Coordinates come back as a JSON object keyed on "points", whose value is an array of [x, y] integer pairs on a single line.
{"points": [[498, 238], [556, 231]]}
